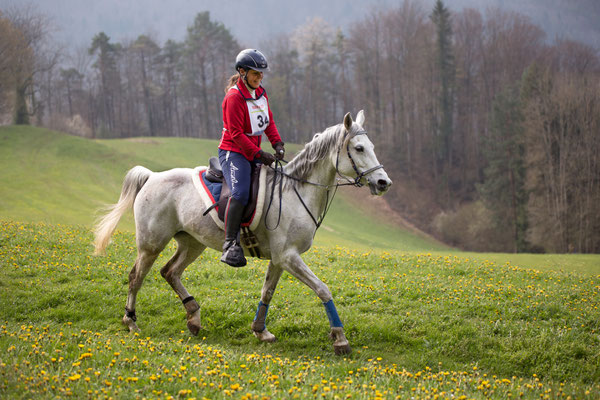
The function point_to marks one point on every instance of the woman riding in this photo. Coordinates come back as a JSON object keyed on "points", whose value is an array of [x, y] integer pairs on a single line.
{"points": [[246, 115]]}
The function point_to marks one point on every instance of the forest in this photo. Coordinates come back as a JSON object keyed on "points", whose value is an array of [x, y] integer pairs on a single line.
{"points": [[490, 132]]}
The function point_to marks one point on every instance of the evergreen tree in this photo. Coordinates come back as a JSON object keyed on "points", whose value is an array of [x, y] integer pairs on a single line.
{"points": [[503, 190], [445, 71], [106, 64], [147, 52], [170, 69], [209, 51]]}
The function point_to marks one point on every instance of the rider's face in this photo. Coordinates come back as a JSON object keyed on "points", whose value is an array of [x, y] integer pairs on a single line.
{"points": [[254, 78]]}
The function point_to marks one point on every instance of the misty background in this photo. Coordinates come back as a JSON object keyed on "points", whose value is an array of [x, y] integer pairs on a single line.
{"points": [[77, 21]]}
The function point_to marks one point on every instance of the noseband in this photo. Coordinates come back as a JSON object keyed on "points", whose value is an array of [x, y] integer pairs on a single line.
{"points": [[359, 175]]}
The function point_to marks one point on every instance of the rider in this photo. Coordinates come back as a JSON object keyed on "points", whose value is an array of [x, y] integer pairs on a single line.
{"points": [[246, 115]]}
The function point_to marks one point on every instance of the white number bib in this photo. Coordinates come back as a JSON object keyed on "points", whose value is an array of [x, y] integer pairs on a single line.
{"points": [[259, 115]]}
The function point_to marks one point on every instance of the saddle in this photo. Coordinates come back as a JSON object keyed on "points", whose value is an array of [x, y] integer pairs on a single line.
{"points": [[214, 182], [214, 174]]}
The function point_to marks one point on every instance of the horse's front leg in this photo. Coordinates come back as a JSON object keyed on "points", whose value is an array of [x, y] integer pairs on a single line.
{"points": [[259, 326], [294, 264]]}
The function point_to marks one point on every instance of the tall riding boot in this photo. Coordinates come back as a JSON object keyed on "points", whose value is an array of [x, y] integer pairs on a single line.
{"points": [[232, 251]]}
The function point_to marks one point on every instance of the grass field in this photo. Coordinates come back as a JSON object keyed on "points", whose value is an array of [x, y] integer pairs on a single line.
{"points": [[57, 178], [420, 325], [424, 321]]}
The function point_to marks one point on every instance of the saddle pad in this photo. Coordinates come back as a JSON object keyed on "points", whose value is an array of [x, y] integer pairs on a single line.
{"points": [[208, 199]]}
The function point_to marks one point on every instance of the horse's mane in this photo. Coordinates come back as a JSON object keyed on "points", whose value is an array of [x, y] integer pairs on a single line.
{"points": [[315, 150]]}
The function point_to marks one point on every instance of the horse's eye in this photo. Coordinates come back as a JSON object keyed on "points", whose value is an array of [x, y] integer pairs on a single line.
{"points": [[359, 148]]}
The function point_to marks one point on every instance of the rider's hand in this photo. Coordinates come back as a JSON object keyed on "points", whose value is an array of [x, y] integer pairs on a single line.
{"points": [[279, 150], [266, 158]]}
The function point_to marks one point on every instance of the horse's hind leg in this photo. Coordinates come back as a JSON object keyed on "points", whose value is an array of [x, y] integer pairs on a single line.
{"points": [[188, 249], [259, 326], [140, 269]]}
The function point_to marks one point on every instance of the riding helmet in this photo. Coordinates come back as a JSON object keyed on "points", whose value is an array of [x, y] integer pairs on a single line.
{"points": [[251, 59]]}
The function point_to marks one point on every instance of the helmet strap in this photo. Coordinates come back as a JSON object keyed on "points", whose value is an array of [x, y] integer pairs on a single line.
{"points": [[244, 77]]}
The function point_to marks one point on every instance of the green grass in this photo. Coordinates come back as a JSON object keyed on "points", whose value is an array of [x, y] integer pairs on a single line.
{"points": [[57, 178], [585, 264], [420, 325], [423, 320]]}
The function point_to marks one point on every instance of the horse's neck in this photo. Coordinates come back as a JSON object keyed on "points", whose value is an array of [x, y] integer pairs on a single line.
{"points": [[315, 195]]}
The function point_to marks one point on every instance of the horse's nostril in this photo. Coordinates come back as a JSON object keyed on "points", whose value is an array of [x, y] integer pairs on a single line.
{"points": [[382, 183]]}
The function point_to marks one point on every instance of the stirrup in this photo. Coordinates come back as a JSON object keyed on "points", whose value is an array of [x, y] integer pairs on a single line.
{"points": [[234, 256]]}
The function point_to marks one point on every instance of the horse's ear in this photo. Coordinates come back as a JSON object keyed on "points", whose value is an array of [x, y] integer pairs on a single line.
{"points": [[360, 118], [348, 121]]}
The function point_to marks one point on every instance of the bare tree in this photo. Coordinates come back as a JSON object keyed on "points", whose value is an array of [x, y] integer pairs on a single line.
{"points": [[562, 118], [31, 56]]}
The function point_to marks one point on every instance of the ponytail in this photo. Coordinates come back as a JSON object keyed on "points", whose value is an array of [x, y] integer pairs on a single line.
{"points": [[232, 81]]}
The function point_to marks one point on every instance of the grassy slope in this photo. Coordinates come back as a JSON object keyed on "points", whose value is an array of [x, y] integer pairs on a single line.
{"points": [[419, 325], [52, 177], [57, 178]]}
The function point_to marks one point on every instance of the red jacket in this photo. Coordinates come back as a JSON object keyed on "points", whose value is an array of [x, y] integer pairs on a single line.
{"points": [[237, 126]]}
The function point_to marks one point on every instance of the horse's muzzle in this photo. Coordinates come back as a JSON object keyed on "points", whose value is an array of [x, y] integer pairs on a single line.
{"points": [[379, 187]]}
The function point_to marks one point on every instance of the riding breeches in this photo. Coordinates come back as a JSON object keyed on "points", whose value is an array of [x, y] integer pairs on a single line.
{"points": [[237, 171]]}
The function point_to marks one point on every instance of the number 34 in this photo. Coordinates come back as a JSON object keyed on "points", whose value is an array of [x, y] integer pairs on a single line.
{"points": [[262, 121]]}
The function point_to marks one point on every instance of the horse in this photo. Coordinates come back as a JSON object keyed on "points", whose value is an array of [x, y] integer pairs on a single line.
{"points": [[166, 205]]}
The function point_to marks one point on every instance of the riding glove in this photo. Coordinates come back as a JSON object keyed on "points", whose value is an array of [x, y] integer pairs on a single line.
{"points": [[266, 158], [279, 150]]}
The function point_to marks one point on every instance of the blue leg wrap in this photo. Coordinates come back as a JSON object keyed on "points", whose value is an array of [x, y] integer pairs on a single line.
{"points": [[260, 317], [332, 314]]}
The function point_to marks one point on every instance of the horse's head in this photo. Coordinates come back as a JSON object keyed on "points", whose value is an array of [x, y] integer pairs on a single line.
{"points": [[356, 157]]}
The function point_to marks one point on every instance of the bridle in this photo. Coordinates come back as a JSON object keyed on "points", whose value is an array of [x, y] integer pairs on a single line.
{"points": [[349, 182], [359, 175]]}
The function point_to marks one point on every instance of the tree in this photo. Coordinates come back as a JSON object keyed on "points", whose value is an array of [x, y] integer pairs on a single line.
{"points": [[146, 52], [25, 54], [503, 190], [562, 120], [170, 57], [71, 79], [445, 73], [470, 111], [208, 54], [12, 47], [284, 93], [314, 45], [106, 65]]}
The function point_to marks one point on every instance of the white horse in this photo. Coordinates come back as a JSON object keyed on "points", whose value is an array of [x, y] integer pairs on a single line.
{"points": [[167, 204]]}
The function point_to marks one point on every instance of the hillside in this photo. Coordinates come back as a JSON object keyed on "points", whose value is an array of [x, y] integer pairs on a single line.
{"points": [[56, 178]]}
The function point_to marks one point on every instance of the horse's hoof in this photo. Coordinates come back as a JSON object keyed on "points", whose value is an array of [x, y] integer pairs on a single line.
{"points": [[193, 322], [265, 336], [129, 323], [193, 328], [342, 349]]}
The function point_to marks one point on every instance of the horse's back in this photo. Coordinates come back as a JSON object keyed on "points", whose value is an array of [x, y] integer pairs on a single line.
{"points": [[170, 203], [164, 193]]}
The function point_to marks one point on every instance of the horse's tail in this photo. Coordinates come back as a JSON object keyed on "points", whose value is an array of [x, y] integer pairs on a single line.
{"points": [[105, 225]]}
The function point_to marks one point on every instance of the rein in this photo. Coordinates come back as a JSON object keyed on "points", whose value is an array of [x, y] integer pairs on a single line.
{"points": [[328, 202]]}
